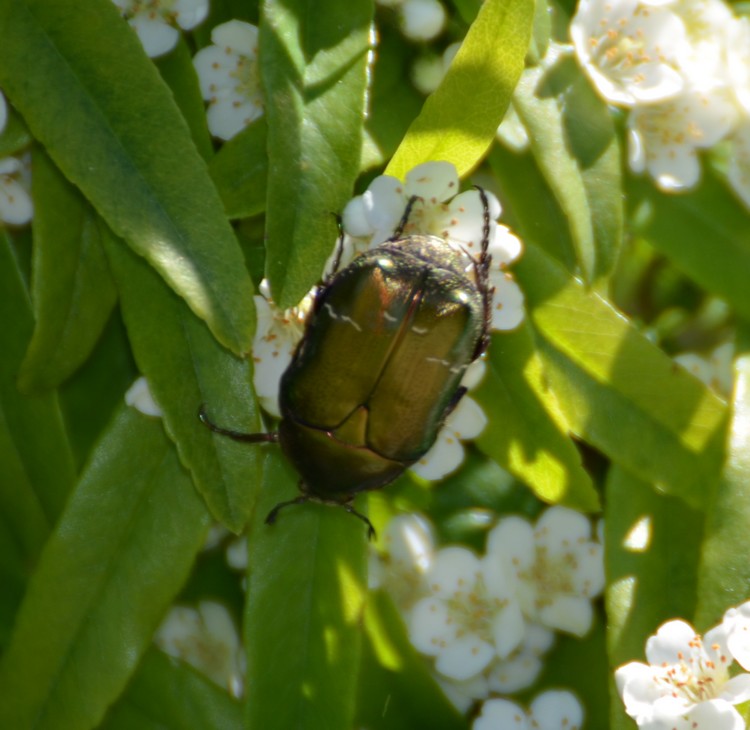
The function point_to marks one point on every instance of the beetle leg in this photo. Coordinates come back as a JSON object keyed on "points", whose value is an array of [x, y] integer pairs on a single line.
{"points": [[271, 517], [253, 438], [339, 251], [404, 218], [349, 507]]}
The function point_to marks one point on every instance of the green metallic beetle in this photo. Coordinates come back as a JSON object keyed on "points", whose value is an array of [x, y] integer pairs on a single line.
{"points": [[379, 367]]}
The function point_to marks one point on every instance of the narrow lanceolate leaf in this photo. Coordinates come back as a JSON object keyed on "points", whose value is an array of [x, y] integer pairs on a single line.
{"points": [[167, 695], [73, 290], [313, 57], [653, 547], [240, 171], [617, 390], [116, 559], [36, 463], [186, 368], [302, 661], [573, 140], [459, 120], [79, 76], [526, 435], [706, 233], [724, 570]]}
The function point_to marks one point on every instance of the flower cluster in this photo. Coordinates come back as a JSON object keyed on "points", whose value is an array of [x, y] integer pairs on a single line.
{"points": [[551, 710], [157, 21], [487, 621], [691, 681], [206, 638], [681, 68], [16, 207], [369, 220]]}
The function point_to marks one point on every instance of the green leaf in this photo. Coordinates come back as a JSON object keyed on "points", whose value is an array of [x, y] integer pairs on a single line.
{"points": [[724, 570], [79, 76], [459, 120], [186, 367], [165, 694], [176, 68], [116, 559], [573, 140], [706, 233], [36, 462], [397, 689], [527, 435], [239, 171], [305, 594], [313, 57], [73, 290], [15, 137], [653, 546], [619, 392]]}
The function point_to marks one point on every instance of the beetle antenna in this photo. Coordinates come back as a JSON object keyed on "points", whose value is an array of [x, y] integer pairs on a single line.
{"points": [[483, 272], [252, 438], [404, 218]]}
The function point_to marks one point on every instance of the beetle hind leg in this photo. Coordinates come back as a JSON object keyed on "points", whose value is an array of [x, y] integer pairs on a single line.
{"points": [[349, 507], [253, 438], [273, 514]]}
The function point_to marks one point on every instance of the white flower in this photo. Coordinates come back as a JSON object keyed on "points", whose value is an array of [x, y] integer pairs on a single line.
{"points": [[470, 618], [551, 710], [737, 39], [522, 667], [500, 714], [236, 554], [3, 112], [629, 49], [686, 683], [556, 710], [443, 212], [715, 370], [276, 336], [139, 396], [664, 138], [556, 567], [463, 694], [409, 551], [229, 78], [422, 20], [736, 623], [465, 422], [426, 73], [207, 639], [16, 207], [156, 21]]}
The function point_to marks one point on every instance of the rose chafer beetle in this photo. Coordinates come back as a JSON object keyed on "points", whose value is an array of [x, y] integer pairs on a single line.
{"points": [[379, 366]]}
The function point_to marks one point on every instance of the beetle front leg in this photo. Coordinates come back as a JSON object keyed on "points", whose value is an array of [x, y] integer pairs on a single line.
{"points": [[252, 438], [271, 516]]}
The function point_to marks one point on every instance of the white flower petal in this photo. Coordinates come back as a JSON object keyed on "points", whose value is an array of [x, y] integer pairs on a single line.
{"points": [[156, 36], [516, 673], [16, 207], [561, 528], [501, 715], [445, 456], [430, 629], [464, 657], [557, 710], [714, 715], [505, 247], [227, 117], [139, 396], [507, 303], [671, 641], [238, 36], [737, 689], [455, 570], [190, 13], [354, 218], [434, 182], [568, 613], [422, 20], [512, 539], [384, 203], [508, 629], [467, 421], [409, 542]]}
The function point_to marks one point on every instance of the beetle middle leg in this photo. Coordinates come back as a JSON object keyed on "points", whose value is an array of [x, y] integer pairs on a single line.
{"points": [[252, 438], [482, 269], [305, 497]]}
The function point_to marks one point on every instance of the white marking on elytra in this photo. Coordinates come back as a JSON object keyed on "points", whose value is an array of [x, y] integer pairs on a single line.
{"points": [[389, 317], [341, 317], [420, 330]]}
